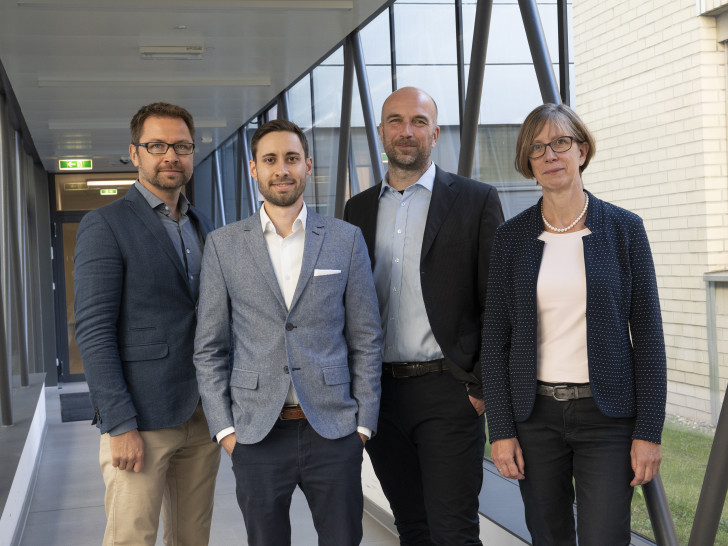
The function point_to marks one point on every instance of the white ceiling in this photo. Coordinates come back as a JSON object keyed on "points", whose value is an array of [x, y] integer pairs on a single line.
{"points": [[76, 70]]}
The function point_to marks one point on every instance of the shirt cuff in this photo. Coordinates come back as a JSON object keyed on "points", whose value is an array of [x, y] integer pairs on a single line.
{"points": [[224, 432], [365, 431], [126, 426]]}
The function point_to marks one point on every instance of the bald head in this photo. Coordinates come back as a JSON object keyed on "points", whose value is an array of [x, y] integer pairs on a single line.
{"points": [[411, 96]]}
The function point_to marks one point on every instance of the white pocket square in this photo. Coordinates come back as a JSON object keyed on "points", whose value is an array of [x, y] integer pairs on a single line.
{"points": [[322, 272]]}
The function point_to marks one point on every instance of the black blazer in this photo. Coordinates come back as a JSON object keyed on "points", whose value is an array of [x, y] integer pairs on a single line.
{"points": [[459, 232], [135, 316]]}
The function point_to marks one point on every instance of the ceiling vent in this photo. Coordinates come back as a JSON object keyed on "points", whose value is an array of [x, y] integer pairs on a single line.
{"points": [[172, 52]]}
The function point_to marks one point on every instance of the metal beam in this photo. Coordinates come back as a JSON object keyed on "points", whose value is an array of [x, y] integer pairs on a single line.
{"points": [[539, 51], [282, 107], [659, 511], [469, 131], [715, 486], [367, 109], [6, 370], [342, 163], [217, 181], [563, 24], [460, 58], [21, 271]]}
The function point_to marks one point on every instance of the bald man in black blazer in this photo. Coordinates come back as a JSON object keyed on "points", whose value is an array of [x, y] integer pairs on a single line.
{"points": [[429, 235]]}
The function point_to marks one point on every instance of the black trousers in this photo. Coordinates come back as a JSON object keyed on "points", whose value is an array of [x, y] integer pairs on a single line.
{"points": [[428, 456], [565, 440], [327, 471]]}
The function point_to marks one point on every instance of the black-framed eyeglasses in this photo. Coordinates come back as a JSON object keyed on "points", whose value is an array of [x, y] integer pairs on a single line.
{"points": [[559, 145], [160, 148]]}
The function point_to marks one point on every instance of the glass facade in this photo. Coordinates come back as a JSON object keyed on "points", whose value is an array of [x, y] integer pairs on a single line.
{"points": [[410, 43]]}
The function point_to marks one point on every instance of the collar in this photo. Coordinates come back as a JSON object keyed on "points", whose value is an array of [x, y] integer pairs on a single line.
{"points": [[157, 204], [427, 180], [298, 224]]}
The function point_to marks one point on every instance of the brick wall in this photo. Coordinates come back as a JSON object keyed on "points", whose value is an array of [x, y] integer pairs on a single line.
{"points": [[650, 84]]}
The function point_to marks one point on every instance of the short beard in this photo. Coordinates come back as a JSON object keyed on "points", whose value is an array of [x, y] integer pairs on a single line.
{"points": [[414, 163], [285, 200]]}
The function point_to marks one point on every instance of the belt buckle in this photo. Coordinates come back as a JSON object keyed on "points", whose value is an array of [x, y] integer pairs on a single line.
{"points": [[419, 369], [569, 389], [395, 372]]}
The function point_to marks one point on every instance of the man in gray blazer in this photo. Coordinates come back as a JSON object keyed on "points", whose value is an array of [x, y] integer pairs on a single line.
{"points": [[302, 397], [136, 275]]}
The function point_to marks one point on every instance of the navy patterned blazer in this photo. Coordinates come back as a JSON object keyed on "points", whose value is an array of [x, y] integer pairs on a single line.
{"points": [[625, 344]]}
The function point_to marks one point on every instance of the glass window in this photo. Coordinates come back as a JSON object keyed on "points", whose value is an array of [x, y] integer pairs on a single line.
{"points": [[229, 180], [203, 186], [327, 82]]}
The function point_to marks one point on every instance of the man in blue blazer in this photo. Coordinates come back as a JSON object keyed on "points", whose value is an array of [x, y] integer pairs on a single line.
{"points": [[137, 269], [302, 397], [429, 235]]}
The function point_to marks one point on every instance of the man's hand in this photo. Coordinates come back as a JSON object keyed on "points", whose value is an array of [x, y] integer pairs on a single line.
{"points": [[364, 438], [228, 443], [646, 460], [508, 458], [478, 404], [127, 451]]}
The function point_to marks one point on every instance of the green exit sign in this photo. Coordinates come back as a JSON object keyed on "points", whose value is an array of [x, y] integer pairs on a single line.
{"points": [[108, 191], [75, 164]]}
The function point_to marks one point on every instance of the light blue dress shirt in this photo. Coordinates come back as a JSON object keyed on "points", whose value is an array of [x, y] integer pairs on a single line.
{"points": [[401, 223]]}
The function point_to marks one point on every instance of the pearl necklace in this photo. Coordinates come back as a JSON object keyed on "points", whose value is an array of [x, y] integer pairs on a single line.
{"points": [[567, 228]]}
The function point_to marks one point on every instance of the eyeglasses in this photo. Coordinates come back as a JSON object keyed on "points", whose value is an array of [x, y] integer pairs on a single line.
{"points": [[160, 148], [559, 145]]}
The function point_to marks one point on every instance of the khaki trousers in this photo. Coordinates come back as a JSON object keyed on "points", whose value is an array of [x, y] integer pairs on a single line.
{"points": [[178, 479]]}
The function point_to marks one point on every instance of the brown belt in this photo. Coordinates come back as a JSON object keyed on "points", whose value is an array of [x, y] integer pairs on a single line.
{"points": [[292, 412]]}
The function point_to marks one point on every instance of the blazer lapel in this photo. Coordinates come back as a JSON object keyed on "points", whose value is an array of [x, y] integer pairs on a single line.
{"points": [[315, 232], [149, 218], [253, 237], [443, 197], [368, 222]]}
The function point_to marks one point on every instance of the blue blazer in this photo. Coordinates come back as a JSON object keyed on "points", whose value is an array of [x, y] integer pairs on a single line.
{"points": [[625, 344], [135, 316]]}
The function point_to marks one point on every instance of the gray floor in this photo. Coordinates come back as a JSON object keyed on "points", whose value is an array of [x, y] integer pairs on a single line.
{"points": [[67, 508]]}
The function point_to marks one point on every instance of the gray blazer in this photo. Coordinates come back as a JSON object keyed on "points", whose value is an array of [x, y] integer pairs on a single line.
{"points": [[328, 343]]}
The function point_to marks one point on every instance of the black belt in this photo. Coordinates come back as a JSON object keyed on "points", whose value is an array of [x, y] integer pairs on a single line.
{"points": [[564, 393], [401, 370]]}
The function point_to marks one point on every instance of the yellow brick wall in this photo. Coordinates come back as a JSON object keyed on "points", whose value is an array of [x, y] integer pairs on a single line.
{"points": [[650, 84]]}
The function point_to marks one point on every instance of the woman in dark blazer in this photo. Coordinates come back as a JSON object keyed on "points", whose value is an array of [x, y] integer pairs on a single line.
{"points": [[573, 353]]}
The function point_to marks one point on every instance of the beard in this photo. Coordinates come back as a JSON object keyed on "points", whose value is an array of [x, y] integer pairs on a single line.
{"points": [[282, 199], [416, 160], [164, 181]]}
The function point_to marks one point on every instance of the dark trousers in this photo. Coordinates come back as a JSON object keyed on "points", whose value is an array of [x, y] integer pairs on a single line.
{"points": [[327, 471], [428, 456], [561, 440]]}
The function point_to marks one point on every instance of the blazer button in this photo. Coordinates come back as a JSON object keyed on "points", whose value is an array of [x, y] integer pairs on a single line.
{"points": [[285, 369], [289, 326]]}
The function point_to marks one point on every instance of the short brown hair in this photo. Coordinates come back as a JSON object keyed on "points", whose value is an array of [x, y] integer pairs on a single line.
{"points": [[562, 117], [278, 126], [160, 110]]}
